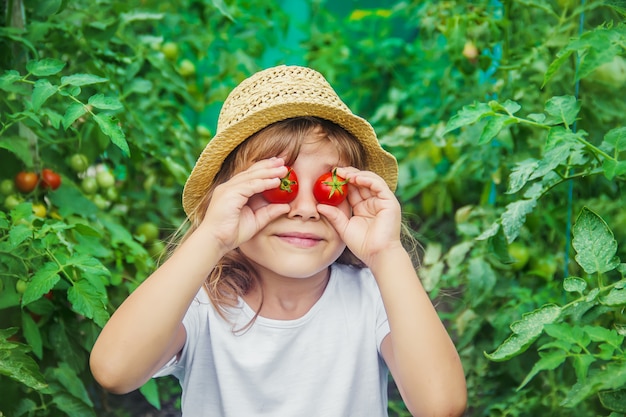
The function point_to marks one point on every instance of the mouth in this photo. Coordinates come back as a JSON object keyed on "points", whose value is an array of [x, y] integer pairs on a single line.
{"points": [[303, 240]]}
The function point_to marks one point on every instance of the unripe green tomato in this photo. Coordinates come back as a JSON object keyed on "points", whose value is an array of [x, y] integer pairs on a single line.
{"points": [[89, 185], [156, 248], [7, 186], [11, 201], [100, 202], [203, 131], [111, 194], [79, 162], [20, 286], [148, 230], [170, 50], [105, 179], [520, 253], [186, 68]]}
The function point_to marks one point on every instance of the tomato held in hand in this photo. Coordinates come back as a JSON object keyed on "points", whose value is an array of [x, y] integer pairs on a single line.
{"points": [[330, 188], [50, 179], [287, 190], [26, 181]]}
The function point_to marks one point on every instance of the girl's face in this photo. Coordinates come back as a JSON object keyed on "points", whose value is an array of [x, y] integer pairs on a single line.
{"points": [[300, 244]]}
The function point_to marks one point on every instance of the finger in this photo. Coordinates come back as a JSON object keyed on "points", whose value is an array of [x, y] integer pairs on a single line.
{"points": [[337, 219]]}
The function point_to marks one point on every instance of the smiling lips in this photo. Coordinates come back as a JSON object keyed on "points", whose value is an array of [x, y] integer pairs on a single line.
{"points": [[303, 240]]}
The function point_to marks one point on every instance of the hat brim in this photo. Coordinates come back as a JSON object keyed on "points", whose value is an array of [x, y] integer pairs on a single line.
{"points": [[223, 143]]}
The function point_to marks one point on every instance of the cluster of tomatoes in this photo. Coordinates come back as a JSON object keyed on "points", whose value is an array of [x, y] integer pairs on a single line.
{"points": [[329, 189], [26, 182]]}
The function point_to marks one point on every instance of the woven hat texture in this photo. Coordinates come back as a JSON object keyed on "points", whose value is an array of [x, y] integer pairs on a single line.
{"points": [[270, 96]]}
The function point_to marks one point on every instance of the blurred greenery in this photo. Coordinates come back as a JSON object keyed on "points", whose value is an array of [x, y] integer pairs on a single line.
{"points": [[506, 118]]}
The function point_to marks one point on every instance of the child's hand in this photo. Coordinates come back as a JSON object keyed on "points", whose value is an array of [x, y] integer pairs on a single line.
{"points": [[375, 223], [229, 219]]}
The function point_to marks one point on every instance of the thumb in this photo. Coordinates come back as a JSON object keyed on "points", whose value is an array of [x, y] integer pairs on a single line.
{"points": [[337, 219], [270, 212]]}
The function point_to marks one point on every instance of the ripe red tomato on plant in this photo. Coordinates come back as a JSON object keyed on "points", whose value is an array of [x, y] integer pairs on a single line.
{"points": [[287, 190], [50, 179], [330, 188], [26, 181]]}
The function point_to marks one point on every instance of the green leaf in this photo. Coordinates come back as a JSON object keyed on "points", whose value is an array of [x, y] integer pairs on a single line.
{"points": [[562, 109], [520, 174], [68, 378], [614, 400], [574, 284], [19, 234], [42, 91], [223, 8], [43, 281], [72, 113], [569, 333], [81, 79], [602, 334], [150, 391], [581, 363], [515, 215], [594, 243], [32, 334], [8, 78], [549, 361], [45, 67], [561, 57], [19, 147], [525, 332], [468, 115], [616, 138], [16, 364], [610, 377], [89, 301], [110, 127], [612, 168], [71, 405], [99, 101], [493, 126], [552, 159], [615, 297], [91, 266], [481, 280]]}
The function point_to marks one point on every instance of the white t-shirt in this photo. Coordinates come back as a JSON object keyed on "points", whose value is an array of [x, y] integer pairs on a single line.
{"points": [[326, 363]]}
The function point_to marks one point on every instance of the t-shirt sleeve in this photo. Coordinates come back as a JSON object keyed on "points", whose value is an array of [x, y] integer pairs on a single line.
{"points": [[191, 322]]}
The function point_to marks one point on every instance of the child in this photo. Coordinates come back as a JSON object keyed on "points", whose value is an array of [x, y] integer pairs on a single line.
{"points": [[286, 309]]}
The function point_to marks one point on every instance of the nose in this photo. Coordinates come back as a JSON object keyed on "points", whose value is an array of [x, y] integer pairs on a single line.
{"points": [[304, 206]]}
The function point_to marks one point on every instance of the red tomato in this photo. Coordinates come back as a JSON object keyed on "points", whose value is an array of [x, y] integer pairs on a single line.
{"points": [[286, 191], [330, 188], [26, 181], [50, 179]]}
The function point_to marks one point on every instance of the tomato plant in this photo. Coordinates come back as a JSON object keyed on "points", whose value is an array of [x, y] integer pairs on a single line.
{"points": [[330, 188], [26, 181], [50, 179], [286, 191]]}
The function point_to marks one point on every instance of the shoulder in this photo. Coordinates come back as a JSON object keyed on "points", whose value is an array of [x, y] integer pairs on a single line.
{"points": [[355, 280]]}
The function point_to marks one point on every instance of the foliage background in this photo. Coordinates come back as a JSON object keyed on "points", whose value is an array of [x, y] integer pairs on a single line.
{"points": [[506, 118]]}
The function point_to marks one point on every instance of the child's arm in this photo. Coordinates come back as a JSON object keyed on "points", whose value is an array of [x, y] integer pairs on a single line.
{"points": [[418, 351], [146, 330]]}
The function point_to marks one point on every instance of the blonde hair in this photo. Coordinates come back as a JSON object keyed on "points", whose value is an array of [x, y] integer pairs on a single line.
{"points": [[234, 276]]}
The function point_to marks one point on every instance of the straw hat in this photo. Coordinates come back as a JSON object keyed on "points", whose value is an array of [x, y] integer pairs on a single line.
{"points": [[270, 96]]}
